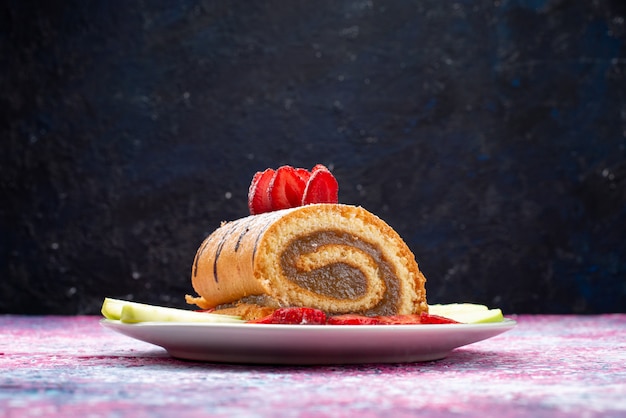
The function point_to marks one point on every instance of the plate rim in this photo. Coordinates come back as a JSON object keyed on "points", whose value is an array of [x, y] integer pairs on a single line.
{"points": [[505, 323], [245, 343]]}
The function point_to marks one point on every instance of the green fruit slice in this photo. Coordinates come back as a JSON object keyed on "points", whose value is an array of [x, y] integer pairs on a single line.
{"points": [[112, 308], [134, 312], [467, 313]]}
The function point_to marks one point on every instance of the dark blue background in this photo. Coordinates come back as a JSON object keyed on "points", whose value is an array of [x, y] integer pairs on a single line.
{"points": [[490, 134]]}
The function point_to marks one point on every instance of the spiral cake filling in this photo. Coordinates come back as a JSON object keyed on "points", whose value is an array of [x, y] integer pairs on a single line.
{"points": [[317, 262]]}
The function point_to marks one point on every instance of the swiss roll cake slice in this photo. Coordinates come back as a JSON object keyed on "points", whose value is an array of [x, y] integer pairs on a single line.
{"points": [[333, 257]]}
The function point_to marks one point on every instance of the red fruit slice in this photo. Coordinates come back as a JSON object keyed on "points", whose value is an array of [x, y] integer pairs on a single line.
{"points": [[319, 167], [294, 316], [258, 196], [304, 174], [322, 187], [426, 318], [286, 188], [289, 187], [400, 320], [423, 318], [352, 319]]}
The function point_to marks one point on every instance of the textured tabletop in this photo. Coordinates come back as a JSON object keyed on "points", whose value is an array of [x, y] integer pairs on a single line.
{"points": [[548, 366]]}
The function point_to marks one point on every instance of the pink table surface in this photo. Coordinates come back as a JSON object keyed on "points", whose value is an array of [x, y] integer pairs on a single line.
{"points": [[548, 366]]}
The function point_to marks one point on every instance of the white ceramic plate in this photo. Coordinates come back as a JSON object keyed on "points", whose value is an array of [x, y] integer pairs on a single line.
{"points": [[308, 344]]}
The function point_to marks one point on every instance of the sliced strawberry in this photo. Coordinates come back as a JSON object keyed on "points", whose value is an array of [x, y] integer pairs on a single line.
{"points": [[319, 167], [258, 196], [352, 319], [426, 318], [286, 188], [400, 319], [294, 316], [289, 187], [304, 174], [311, 316], [423, 318], [322, 187]]}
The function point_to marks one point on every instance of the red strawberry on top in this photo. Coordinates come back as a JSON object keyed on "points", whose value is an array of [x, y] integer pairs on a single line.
{"points": [[258, 194], [322, 187], [304, 174], [318, 167], [289, 187], [286, 188]]}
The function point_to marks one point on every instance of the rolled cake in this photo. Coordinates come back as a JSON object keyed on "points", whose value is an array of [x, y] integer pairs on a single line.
{"points": [[333, 257]]}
